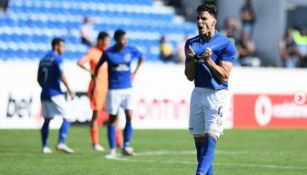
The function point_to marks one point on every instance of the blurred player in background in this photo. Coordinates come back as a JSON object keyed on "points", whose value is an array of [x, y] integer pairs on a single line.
{"points": [[210, 56], [119, 95], [50, 75], [98, 95]]}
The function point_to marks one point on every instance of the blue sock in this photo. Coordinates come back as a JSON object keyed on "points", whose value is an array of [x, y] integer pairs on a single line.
{"points": [[198, 149], [44, 133], [111, 135], [128, 131], [210, 171], [63, 131], [207, 155]]}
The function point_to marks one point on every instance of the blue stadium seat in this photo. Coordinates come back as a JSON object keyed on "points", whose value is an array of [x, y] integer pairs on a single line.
{"points": [[5, 37], [25, 17]]}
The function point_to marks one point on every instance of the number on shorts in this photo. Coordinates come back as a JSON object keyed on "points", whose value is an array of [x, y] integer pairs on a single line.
{"points": [[220, 111]]}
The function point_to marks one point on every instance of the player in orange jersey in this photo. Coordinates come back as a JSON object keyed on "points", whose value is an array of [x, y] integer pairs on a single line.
{"points": [[97, 90]]}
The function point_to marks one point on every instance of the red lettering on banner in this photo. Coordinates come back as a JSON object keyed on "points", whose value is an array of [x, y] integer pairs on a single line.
{"points": [[268, 111], [161, 109], [141, 109]]}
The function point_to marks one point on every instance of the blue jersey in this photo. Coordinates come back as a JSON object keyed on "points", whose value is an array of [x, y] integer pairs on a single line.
{"points": [[50, 71], [222, 50], [119, 66]]}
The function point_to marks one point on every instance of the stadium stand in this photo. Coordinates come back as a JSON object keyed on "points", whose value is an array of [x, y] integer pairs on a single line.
{"points": [[30, 25]]}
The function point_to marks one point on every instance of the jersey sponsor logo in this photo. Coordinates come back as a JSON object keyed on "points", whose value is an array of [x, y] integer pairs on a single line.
{"points": [[200, 61], [127, 57], [121, 67], [195, 39]]}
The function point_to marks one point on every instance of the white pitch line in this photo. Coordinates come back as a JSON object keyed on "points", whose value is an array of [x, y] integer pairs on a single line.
{"points": [[216, 164], [170, 153], [165, 153], [261, 166], [228, 153]]}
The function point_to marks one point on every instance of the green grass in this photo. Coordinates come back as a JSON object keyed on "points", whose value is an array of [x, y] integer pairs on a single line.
{"points": [[161, 152]]}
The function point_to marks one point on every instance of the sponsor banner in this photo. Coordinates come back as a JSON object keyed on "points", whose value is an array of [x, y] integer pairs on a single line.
{"points": [[165, 113], [162, 97], [18, 110], [23, 110], [161, 91], [270, 111]]}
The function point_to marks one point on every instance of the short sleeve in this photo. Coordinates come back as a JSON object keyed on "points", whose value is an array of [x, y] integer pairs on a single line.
{"points": [[186, 46], [59, 64], [136, 53], [229, 52]]}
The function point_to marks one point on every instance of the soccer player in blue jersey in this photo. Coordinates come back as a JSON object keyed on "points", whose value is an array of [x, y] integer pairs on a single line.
{"points": [[50, 75], [209, 60], [119, 95]]}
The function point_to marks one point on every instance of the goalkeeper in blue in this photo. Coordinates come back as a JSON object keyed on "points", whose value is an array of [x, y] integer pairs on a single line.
{"points": [[209, 60]]}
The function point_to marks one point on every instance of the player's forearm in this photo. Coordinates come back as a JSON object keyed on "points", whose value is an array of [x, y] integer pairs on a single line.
{"points": [[219, 72], [140, 62], [84, 67], [190, 70], [65, 82]]}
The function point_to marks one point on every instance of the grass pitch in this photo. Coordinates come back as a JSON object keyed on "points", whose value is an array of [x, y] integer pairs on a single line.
{"points": [[159, 152]]}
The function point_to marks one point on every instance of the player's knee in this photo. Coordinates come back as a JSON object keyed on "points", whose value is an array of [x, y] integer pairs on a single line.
{"points": [[128, 118], [214, 135], [112, 119], [94, 117], [47, 120], [199, 138], [128, 115], [93, 122]]}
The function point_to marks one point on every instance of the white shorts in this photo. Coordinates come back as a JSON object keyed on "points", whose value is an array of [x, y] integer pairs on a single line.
{"points": [[206, 111], [119, 98], [57, 106]]}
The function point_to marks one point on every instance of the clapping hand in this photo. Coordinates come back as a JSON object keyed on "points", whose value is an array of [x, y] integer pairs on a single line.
{"points": [[190, 52], [206, 54]]}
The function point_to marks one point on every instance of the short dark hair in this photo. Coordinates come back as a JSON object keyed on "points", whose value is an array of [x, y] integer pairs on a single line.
{"points": [[102, 35], [56, 41], [119, 33], [211, 9]]}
